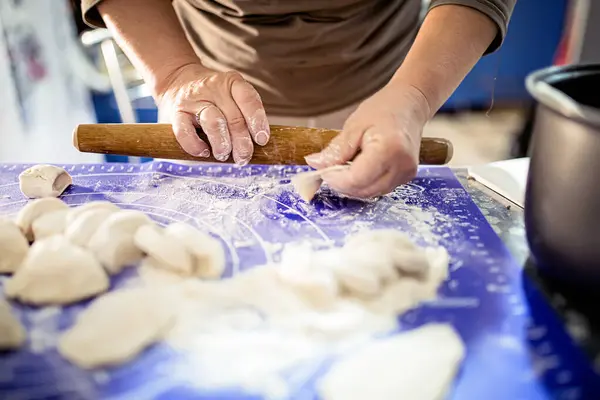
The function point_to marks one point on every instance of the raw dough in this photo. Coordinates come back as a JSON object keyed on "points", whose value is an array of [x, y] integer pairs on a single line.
{"points": [[166, 251], [12, 333], [44, 181], [307, 183], [82, 228], [94, 205], [113, 242], [56, 272], [417, 365], [49, 224], [117, 327], [13, 246], [208, 253], [34, 210]]}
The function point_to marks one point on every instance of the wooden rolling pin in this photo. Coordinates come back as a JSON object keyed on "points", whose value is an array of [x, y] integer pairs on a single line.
{"points": [[287, 145]]}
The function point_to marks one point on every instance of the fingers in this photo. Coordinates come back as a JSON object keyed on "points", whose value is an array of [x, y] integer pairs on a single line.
{"points": [[377, 170], [249, 102], [341, 149], [213, 123], [185, 133]]}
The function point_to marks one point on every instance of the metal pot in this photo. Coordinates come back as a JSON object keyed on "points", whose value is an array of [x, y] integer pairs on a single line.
{"points": [[562, 204]]}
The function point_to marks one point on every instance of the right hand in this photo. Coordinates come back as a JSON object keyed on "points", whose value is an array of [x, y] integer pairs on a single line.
{"points": [[224, 105]]}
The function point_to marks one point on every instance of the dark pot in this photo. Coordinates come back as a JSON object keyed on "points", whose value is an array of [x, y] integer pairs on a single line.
{"points": [[562, 206]]}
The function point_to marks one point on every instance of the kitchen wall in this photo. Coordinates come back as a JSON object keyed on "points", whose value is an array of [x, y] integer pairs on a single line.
{"points": [[41, 97]]}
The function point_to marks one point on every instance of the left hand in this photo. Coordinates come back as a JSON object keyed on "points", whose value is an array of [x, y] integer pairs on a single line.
{"points": [[386, 128]]}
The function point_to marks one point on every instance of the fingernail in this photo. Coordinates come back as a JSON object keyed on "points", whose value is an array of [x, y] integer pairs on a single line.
{"points": [[246, 148], [222, 157], [242, 162], [261, 138], [204, 153], [314, 158]]}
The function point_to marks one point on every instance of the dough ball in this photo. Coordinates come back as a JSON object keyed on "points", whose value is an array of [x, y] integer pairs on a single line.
{"points": [[113, 242], [94, 205], [44, 181], [117, 327], [56, 272], [35, 209], [358, 279], [207, 252], [13, 246], [418, 365], [12, 333], [82, 228], [391, 238], [167, 251], [49, 224]]}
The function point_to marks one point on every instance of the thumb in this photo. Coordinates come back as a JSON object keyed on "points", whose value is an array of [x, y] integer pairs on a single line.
{"points": [[340, 150]]}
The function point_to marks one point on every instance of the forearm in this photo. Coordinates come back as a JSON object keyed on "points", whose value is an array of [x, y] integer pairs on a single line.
{"points": [[450, 42], [149, 33]]}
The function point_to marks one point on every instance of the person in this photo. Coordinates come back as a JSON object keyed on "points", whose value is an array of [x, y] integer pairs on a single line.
{"points": [[224, 65]]}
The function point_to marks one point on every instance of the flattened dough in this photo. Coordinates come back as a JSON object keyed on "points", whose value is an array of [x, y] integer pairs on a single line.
{"points": [[117, 327], [12, 333], [418, 365], [56, 272], [13, 246], [35, 209], [44, 180], [308, 183]]}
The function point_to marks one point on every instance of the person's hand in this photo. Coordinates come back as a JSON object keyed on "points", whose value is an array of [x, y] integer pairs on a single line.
{"points": [[385, 131], [227, 108]]}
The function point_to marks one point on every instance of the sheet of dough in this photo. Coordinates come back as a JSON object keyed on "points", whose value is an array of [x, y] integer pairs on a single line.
{"points": [[418, 365]]}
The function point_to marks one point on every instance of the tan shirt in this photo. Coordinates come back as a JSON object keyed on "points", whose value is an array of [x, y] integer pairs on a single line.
{"points": [[309, 57]]}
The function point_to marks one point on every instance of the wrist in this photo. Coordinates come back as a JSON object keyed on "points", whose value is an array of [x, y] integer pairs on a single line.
{"points": [[162, 80], [422, 109]]}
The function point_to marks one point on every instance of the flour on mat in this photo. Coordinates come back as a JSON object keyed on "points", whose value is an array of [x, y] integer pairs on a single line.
{"points": [[250, 331]]}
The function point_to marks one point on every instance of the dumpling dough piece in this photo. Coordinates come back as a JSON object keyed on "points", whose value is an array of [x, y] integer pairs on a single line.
{"points": [[118, 326], [167, 251], [44, 181], [12, 333], [34, 210], [56, 272], [113, 242], [418, 365], [308, 183], [81, 230], [49, 224], [207, 252], [94, 205], [13, 246]]}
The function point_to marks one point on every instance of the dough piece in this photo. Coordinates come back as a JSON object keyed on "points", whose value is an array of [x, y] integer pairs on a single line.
{"points": [[117, 327], [94, 205], [13, 246], [309, 275], [49, 224], [207, 252], [34, 210], [308, 183], [390, 238], [44, 181], [12, 333], [82, 228], [357, 279], [418, 365], [113, 242], [56, 272], [168, 252]]}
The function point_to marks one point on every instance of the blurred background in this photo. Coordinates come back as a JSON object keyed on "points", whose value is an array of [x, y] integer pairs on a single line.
{"points": [[55, 72]]}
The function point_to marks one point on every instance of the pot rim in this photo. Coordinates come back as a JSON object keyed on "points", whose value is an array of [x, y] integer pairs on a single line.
{"points": [[565, 106]]}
